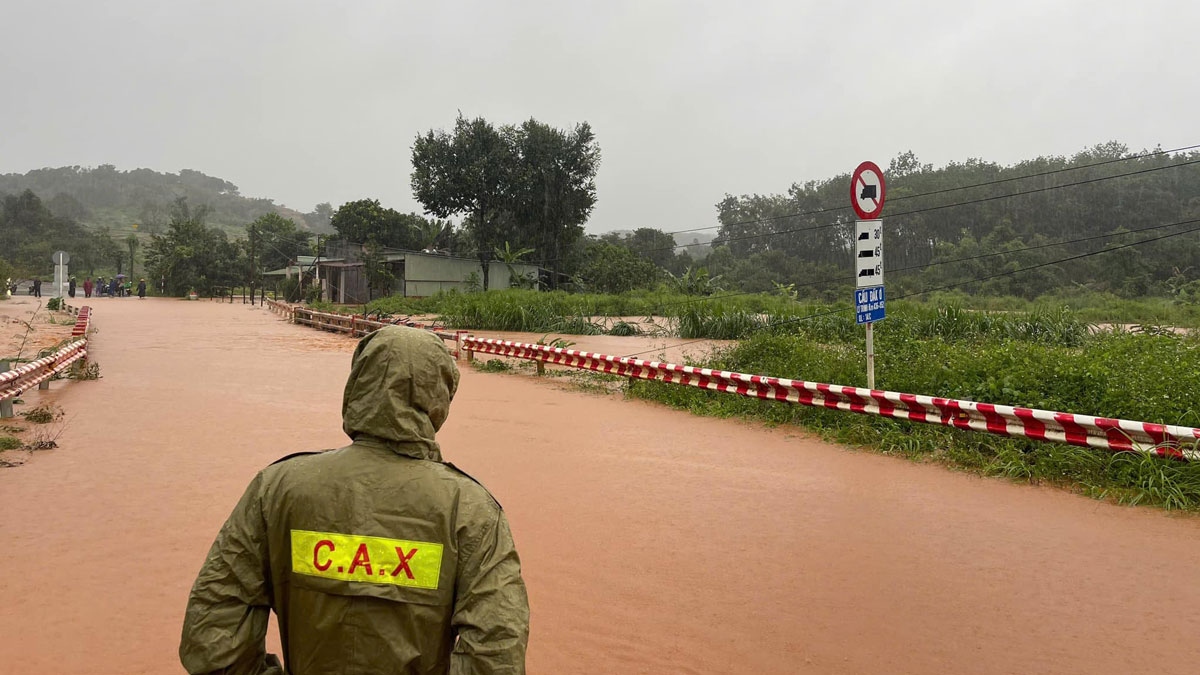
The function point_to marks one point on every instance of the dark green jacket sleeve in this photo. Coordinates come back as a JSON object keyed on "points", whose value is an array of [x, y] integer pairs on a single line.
{"points": [[491, 609], [225, 628]]}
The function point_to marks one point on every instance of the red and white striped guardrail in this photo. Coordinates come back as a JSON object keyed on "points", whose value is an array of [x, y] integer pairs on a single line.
{"points": [[25, 376], [1042, 425], [353, 324]]}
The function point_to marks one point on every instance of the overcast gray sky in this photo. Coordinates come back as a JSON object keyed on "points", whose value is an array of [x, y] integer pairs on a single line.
{"points": [[303, 101]]}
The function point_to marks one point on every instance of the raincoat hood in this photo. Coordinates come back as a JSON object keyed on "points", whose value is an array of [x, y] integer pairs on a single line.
{"points": [[399, 391]]}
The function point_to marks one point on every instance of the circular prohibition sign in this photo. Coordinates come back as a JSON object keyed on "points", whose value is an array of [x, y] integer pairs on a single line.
{"points": [[867, 190]]}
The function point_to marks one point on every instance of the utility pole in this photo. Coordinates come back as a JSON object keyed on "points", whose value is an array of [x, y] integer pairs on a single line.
{"points": [[250, 231]]}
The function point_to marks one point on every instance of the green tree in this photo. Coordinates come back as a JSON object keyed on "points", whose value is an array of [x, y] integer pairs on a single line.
{"points": [[608, 268], [276, 241], [552, 186], [366, 219], [321, 218], [191, 255], [511, 257], [467, 172], [64, 205], [30, 233], [529, 184], [131, 242], [151, 217], [106, 252], [654, 245], [379, 277]]}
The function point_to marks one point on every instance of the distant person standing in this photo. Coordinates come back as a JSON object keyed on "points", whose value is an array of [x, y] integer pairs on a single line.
{"points": [[71, 287], [112, 288], [142, 289], [37, 288], [87, 287]]}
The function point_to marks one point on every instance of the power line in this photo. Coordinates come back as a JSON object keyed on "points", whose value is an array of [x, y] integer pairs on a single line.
{"points": [[956, 284], [901, 270], [927, 209], [1056, 262], [969, 202], [997, 181]]}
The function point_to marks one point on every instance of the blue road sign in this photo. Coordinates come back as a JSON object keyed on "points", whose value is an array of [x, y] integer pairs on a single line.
{"points": [[869, 305]]}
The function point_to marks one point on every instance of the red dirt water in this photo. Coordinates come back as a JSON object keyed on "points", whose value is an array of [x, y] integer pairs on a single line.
{"points": [[652, 541]]}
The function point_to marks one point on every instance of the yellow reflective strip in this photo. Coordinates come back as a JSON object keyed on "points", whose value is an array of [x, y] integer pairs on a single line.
{"points": [[375, 560]]}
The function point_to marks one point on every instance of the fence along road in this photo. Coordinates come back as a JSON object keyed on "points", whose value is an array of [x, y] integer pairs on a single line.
{"points": [[38, 373], [1115, 435], [652, 541]]}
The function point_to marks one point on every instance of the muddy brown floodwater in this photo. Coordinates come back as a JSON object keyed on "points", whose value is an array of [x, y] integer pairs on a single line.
{"points": [[652, 541]]}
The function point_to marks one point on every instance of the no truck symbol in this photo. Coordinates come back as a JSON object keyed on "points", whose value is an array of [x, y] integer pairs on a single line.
{"points": [[867, 190]]}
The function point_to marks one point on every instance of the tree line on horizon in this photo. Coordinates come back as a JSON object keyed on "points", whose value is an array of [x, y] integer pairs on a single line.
{"points": [[1010, 221], [105, 196], [523, 193]]}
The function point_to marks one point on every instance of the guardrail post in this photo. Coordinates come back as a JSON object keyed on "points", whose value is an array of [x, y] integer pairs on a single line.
{"points": [[6, 409], [458, 345]]}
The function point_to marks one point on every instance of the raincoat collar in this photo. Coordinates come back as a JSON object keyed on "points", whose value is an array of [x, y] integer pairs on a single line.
{"points": [[429, 451]]}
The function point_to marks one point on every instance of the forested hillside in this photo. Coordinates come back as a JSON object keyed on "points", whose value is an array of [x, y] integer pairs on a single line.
{"points": [[106, 197], [940, 231]]}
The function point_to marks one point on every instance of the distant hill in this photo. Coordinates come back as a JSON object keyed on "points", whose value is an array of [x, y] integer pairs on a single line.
{"points": [[106, 197], [697, 244]]}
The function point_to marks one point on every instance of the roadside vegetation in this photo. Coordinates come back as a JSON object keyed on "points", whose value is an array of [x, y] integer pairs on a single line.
{"points": [[1046, 357], [736, 316], [1047, 361]]}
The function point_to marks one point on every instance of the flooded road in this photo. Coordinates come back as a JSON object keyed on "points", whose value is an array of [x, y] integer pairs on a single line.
{"points": [[652, 541]]}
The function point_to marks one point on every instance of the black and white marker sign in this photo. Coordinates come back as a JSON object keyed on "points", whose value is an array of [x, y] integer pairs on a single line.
{"points": [[867, 190], [868, 253]]}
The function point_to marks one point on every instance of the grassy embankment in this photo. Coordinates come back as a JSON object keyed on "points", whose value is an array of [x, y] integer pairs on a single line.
{"points": [[996, 351], [732, 316], [1045, 360]]}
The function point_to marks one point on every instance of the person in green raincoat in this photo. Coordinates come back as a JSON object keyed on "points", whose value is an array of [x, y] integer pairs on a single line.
{"points": [[378, 557]]}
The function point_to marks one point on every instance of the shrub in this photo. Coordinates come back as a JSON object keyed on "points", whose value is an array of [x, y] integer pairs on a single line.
{"points": [[623, 329], [42, 414], [495, 366]]}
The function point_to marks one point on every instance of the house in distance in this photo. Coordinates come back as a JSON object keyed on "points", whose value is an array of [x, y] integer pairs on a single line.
{"points": [[341, 273]]}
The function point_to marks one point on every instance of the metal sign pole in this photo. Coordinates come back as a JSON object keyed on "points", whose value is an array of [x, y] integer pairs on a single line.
{"points": [[870, 355]]}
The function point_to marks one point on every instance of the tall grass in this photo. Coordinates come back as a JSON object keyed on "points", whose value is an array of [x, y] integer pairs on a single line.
{"points": [[1133, 376], [1086, 304]]}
